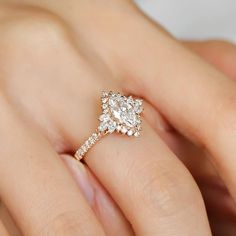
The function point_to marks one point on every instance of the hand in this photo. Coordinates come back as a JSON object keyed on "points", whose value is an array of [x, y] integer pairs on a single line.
{"points": [[52, 73], [219, 203]]}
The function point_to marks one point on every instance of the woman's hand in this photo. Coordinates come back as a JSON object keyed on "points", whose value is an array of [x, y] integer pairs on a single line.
{"points": [[54, 62]]}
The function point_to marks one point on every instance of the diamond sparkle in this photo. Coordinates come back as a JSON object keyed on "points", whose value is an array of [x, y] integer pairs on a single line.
{"points": [[120, 114]]}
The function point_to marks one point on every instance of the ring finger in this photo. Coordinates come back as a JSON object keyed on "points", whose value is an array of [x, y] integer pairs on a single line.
{"points": [[154, 190]]}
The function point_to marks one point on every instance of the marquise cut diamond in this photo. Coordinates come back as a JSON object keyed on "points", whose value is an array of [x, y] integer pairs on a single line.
{"points": [[120, 113]]}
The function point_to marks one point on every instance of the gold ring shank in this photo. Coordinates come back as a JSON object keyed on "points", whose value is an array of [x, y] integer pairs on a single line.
{"points": [[88, 144]]}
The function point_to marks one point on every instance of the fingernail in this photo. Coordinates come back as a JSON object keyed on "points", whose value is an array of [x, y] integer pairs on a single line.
{"points": [[80, 174]]}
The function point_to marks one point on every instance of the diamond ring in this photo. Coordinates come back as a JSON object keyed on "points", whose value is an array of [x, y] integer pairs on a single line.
{"points": [[120, 114]]}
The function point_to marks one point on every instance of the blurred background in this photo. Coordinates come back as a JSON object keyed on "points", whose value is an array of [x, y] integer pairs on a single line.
{"points": [[194, 19]]}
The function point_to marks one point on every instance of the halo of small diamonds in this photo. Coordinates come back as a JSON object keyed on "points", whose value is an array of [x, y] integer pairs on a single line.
{"points": [[120, 114]]}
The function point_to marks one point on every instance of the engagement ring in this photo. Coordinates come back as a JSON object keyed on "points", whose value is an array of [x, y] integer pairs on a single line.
{"points": [[120, 114]]}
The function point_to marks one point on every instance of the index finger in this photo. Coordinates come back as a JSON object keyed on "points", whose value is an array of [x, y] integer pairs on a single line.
{"points": [[3, 230]]}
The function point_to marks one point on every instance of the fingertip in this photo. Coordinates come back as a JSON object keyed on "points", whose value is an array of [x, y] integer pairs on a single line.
{"points": [[221, 54]]}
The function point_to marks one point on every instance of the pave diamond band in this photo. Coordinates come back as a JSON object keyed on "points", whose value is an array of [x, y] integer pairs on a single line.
{"points": [[120, 114], [88, 144]]}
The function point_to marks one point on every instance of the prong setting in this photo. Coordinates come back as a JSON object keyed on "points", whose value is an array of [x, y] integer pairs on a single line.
{"points": [[120, 114]]}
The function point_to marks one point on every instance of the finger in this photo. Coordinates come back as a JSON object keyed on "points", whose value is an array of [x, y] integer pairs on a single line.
{"points": [[148, 182], [221, 226], [155, 186], [8, 221], [217, 199], [186, 151], [36, 187], [110, 216], [3, 231], [112, 219], [221, 54], [205, 112], [219, 202]]}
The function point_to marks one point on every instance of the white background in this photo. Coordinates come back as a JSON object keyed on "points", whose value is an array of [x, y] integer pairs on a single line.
{"points": [[194, 19]]}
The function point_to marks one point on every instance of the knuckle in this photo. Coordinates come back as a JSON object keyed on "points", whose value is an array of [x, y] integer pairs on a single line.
{"points": [[165, 193], [65, 223], [30, 30], [33, 22]]}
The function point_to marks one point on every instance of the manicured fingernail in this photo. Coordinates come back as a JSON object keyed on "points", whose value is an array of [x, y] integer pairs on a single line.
{"points": [[80, 174]]}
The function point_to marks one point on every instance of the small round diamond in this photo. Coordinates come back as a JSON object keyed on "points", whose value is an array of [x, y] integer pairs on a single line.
{"points": [[104, 106], [104, 100], [91, 140], [124, 130], [80, 152], [87, 144], [105, 111], [130, 133], [102, 127], [112, 101], [111, 127], [104, 117], [118, 128], [105, 94], [138, 106], [84, 148]]}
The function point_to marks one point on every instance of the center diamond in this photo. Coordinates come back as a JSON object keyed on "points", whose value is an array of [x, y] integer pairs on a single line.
{"points": [[123, 110], [121, 113]]}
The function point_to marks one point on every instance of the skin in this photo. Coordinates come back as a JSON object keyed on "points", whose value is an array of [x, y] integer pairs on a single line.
{"points": [[54, 63]]}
